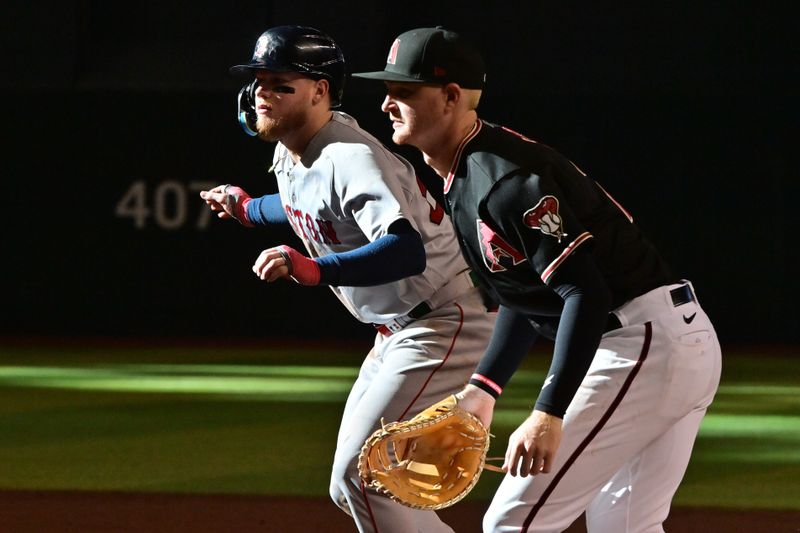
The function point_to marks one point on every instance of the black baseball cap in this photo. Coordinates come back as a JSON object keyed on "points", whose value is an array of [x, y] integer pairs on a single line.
{"points": [[432, 55]]}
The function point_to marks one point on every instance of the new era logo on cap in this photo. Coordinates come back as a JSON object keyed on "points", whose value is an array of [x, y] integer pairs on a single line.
{"points": [[432, 55]]}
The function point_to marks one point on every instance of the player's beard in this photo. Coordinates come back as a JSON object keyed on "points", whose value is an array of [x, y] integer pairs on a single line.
{"points": [[274, 129], [270, 129]]}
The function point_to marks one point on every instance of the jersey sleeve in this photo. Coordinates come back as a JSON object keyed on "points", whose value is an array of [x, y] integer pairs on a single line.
{"points": [[532, 211], [366, 182]]}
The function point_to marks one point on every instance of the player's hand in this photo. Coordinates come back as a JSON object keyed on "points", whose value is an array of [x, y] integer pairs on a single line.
{"points": [[286, 262], [478, 402], [228, 201], [533, 445]]}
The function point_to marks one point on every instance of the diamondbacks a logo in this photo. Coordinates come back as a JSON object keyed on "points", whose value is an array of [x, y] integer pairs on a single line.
{"points": [[498, 255], [544, 217], [393, 52]]}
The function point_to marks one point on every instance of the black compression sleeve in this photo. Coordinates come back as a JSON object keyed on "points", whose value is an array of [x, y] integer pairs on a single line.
{"points": [[512, 337], [587, 302]]}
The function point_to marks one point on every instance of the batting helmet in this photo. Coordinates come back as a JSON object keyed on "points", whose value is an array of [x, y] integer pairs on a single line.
{"points": [[299, 49]]}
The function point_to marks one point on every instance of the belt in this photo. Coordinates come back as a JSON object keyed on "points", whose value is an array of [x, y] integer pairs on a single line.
{"points": [[679, 295], [455, 287], [402, 321]]}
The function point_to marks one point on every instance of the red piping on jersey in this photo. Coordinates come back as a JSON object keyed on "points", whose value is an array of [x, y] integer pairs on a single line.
{"points": [[648, 335], [583, 237], [369, 508], [616, 203], [471, 135], [402, 416], [440, 365]]}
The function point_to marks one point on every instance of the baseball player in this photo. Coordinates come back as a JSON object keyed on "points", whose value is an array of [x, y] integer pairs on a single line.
{"points": [[635, 362], [373, 234]]}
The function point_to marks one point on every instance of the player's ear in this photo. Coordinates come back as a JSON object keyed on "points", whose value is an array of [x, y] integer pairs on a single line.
{"points": [[452, 94], [322, 88]]}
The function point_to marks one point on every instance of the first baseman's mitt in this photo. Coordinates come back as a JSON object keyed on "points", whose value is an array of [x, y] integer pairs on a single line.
{"points": [[429, 462]]}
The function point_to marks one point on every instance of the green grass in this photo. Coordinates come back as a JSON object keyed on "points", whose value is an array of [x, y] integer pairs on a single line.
{"points": [[264, 421], [748, 452]]}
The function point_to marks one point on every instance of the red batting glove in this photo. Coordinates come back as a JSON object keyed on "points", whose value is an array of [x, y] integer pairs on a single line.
{"points": [[236, 201], [302, 269]]}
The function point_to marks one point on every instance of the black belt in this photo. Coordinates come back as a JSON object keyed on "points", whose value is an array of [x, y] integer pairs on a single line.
{"points": [[680, 295], [418, 312], [422, 309]]}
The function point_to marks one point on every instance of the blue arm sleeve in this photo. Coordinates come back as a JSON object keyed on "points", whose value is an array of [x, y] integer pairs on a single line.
{"points": [[266, 210], [397, 255]]}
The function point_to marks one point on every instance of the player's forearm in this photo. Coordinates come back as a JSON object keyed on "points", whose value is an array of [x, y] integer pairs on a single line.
{"points": [[266, 210], [512, 337], [395, 256], [586, 306]]}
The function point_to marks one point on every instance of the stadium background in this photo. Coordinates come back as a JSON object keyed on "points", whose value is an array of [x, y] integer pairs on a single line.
{"points": [[115, 116], [151, 383]]}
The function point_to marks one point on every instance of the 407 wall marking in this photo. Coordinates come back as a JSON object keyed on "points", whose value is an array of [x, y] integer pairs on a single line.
{"points": [[169, 205]]}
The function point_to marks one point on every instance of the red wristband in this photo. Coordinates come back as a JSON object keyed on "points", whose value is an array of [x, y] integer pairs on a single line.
{"points": [[302, 269], [245, 220], [237, 200]]}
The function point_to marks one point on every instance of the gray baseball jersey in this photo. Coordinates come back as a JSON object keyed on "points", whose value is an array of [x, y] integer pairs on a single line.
{"points": [[344, 193]]}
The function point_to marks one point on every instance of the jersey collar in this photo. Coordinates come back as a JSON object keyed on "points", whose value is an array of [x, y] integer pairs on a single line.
{"points": [[471, 135]]}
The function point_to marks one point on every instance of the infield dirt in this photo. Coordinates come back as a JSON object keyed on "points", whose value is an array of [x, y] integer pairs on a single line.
{"points": [[107, 512]]}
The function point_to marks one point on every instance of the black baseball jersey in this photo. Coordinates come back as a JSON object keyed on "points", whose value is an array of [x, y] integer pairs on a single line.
{"points": [[554, 209], [521, 211]]}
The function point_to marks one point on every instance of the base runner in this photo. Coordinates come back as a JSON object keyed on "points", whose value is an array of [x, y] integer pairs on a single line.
{"points": [[375, 236]]}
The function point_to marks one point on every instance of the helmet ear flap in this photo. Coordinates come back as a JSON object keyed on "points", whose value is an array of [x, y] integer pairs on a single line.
{"points": [[247, 108]]}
